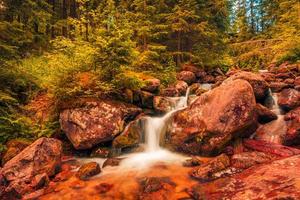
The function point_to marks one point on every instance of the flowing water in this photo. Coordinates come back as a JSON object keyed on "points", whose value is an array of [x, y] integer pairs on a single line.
{"points": [[155, 128], [274, 130]]}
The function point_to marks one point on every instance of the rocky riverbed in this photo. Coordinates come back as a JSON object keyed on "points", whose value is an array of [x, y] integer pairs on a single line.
{"points": [[238, 140]]}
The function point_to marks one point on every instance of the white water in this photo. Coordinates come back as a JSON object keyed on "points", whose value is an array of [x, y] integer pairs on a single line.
{"points": [[155, 129], [274, 130]]}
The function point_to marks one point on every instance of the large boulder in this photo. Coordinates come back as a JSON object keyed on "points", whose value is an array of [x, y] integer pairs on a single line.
{"points": [[289, 99], [32, 166], [182, 87], [213, 119], [96, 122], [293, 127], [259, 85], [151, 85], [186, 76], [278, 180]]}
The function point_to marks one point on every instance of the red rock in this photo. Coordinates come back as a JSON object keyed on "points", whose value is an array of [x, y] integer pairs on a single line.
{"points": [[103, 188], [289, 99], [156, 188], [269, 77], [169, 92], [278, 180], [192, 162], [264, 114], [271, 148], [278, 86], [163, 104], [34, 195], [182, 87], [293, 127], [259, 85], [248, 159], [112, 162], [201, 129], [208, 79], [297, 81], [42, 156], [131, 136], [151, 85], [88, 170], [96, 122], [186, 76], [205, 172]]}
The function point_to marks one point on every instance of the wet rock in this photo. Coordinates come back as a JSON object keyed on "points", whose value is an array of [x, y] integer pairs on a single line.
{"points": [[200, 73], [186, 76], [192, 162], [259, 85], [269, 77], [147, 99], [163, 104], [292, 136], [278, 86], [273, 131], [208, 79], [96, 122], [169, 92], [156, 188], [271, 148], [34, 195], [289, 81], [101, 152], [112, 162], [205, 172], [201, 129], [42, 156], [289, 99], [30, 169], [131, 136], [297, 81], [14, 147], [181, 87], [88, 170], [200, 91], [264, 114], [194, 87], [248, 159], [277, 180], [151, 85], [103, 188]]}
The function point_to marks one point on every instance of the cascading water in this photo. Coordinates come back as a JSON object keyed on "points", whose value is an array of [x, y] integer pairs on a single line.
{"points": [[155, 128], [274, 130]]}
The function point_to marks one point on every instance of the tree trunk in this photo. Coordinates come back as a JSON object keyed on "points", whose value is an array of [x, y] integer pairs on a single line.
{"points": [[87, 31], [73, 14], [52, 26], [65, 17], [178, 48]]}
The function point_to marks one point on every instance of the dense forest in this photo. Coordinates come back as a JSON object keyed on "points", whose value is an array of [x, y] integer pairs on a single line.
{"points": [[106, 77]]}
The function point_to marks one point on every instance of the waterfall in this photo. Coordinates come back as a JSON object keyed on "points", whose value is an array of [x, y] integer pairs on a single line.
{"points": [[155, 128], [274, 130]]}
